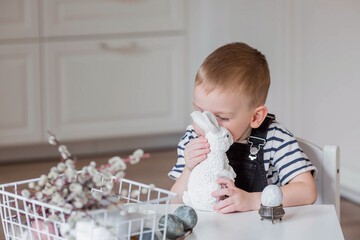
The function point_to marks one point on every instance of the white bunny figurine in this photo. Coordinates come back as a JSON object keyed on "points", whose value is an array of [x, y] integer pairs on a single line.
{"points": [[202, 180]]}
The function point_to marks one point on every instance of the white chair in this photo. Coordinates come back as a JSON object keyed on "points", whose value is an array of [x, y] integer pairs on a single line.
{"points": [[327, 161]]}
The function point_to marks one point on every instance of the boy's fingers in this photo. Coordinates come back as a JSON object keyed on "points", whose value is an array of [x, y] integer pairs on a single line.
{"points": [[225, 181], [198, 140], [202, 146], [199, 152], [198, 143], [222, 204], [228, 209], [195, 161], [196, 149], [202, 138], [222, 192]]}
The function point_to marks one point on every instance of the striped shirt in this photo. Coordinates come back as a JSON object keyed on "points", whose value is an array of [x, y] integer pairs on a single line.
{"points": [[283, 158]]}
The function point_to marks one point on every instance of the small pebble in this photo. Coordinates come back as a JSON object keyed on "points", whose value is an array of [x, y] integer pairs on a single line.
{"points": [[175, 227], [188, 215]]}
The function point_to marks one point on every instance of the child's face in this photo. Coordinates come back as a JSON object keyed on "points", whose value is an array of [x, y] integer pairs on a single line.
{"points": [[230, 110]]}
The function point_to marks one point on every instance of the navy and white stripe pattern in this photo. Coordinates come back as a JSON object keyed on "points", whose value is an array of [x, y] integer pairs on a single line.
{"points": [[283, 158], [180, 164]]}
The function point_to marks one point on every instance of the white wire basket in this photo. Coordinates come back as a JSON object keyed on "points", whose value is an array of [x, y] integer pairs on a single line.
{"points": [[143, 212]]}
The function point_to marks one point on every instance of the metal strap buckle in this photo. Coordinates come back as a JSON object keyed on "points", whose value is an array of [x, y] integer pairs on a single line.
{"points": [[255, 149]]}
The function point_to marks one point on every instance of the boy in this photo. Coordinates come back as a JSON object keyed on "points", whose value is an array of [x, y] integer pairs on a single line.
{"points": [[233, 83]]}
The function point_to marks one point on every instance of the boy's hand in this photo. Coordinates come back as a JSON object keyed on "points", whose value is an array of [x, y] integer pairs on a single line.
{"points": [[237, 199], [196, 151]]}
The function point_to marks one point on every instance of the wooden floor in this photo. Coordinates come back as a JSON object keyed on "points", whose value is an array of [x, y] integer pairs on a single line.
{"points": [[154, 170]]}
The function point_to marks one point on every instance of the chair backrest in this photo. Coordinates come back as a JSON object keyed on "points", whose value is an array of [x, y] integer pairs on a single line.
{"points": [[327, 161]]}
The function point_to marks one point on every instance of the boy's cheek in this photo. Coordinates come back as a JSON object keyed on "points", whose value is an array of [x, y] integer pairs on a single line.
{"points": [[198, 130]]}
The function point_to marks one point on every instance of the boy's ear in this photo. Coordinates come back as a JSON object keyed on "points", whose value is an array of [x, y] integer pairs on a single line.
{"points": [[258, 117]]}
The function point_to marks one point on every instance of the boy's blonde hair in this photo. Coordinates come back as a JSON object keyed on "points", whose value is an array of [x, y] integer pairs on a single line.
{"points": [[236, 67]]}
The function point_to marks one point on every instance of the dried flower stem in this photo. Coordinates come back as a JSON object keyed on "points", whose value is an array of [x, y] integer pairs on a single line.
{"points": [[90, 189]]}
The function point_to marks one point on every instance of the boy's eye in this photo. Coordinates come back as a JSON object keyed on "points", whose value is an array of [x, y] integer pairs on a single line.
{"points": [[222, 118]]}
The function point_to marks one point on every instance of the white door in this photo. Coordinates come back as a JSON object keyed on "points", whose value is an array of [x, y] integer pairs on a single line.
{"points": [[18, 19], [115, 88], [20, 117], [79, 17]]}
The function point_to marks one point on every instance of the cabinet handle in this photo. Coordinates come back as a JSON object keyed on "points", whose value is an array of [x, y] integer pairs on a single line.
{"points": [[130, 48]]}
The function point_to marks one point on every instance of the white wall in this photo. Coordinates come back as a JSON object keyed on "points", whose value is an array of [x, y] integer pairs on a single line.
{"points": [[327, 82], [314, 55]]}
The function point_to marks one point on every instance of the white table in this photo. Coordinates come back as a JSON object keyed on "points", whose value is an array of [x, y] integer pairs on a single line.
{"points": [[303, 223]]}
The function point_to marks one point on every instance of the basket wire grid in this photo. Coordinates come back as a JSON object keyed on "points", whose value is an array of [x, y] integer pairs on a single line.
{"points": [[143, 212]]}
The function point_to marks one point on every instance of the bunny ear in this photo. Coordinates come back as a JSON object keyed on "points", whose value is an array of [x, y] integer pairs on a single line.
{"points": [[211, 118], [200, 120], [205, 121]]}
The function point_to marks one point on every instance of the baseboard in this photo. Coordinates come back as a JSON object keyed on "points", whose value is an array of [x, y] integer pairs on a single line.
{"points": [[90, 147], [349, 185]]}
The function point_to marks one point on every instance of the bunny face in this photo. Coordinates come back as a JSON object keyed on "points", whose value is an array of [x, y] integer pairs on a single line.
{"points": [[221, 140], [219, 137]]}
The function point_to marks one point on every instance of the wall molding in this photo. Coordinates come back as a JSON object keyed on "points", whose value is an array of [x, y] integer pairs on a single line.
{"points": [[90, 147]]}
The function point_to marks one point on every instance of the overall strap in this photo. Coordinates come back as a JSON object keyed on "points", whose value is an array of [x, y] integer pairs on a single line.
{"points": [[261, 131], [257, 141]]}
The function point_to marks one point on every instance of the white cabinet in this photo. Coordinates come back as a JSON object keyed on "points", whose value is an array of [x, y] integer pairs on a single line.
{"points": [[114, 87], [20, 116], [90, 69], [81, 17], [19, 19]]}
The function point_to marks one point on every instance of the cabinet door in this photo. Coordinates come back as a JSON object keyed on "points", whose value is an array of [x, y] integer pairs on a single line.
{"points": [[79, 17], [18, 19], [20, 120], [115, 88]]}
